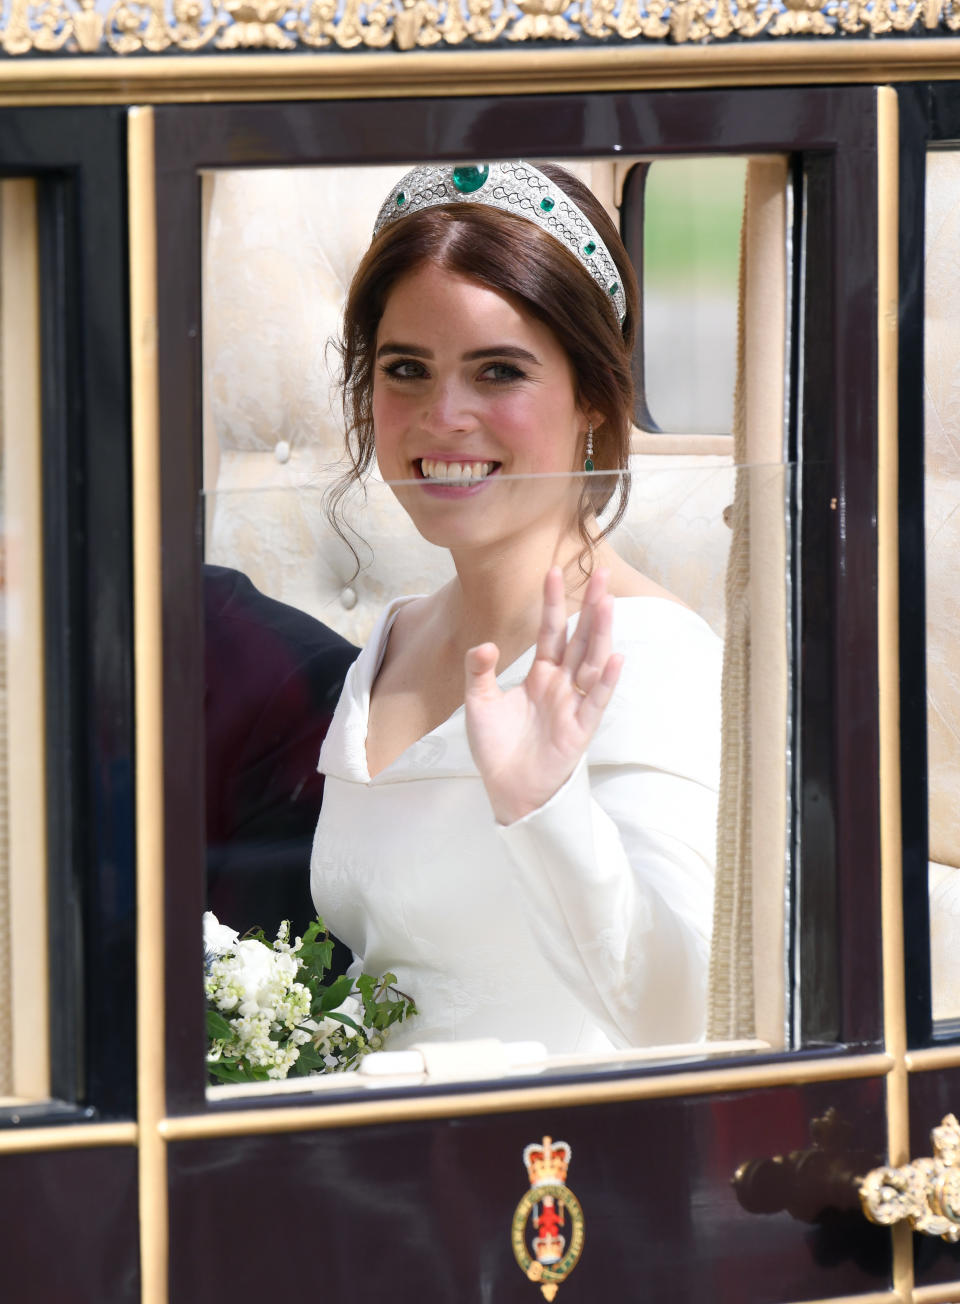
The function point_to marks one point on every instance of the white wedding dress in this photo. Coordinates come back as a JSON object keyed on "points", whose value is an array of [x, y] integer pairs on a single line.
{"points": [[586, 924]]}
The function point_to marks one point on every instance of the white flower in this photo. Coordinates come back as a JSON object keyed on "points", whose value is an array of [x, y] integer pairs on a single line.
{"points": [[217, 937], [256, 975], [282, 942]]}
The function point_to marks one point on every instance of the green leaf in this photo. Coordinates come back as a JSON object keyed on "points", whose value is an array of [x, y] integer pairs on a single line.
{"points": [[309, 1061], [315, 928], [336, 993], [231, 1070], [344, 1018], [315, 960], [366, 985], [218, 1028]]}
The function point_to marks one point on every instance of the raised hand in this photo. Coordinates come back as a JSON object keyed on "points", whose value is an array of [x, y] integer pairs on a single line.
{"points": [[526, 742]]}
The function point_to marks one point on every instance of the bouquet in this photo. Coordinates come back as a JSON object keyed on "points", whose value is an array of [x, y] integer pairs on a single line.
{"points": [[270, 1013]]}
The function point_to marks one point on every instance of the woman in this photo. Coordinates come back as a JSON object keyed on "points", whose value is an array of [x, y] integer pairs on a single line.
{"points": [[530, 853]]}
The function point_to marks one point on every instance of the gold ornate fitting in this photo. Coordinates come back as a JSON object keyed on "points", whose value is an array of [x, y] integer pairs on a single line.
{"points": [[152, 26], [547, 1232], [924, 1193]]}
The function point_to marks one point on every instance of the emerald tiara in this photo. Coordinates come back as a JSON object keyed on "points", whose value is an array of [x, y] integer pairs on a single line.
{"points": [[516, 188]]}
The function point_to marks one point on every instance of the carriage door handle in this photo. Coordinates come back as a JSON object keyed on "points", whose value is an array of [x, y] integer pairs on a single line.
{"points": [[805, 1183]]}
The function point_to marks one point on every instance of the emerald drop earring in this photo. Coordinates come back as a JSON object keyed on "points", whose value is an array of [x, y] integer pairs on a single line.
{"points": [[588, 460]]}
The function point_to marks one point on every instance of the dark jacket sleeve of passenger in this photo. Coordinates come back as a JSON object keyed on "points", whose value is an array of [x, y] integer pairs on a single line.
{"points": [[273, 677]]}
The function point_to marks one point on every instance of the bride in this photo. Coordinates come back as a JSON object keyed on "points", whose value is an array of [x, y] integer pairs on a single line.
{"points": [[520, 777]]}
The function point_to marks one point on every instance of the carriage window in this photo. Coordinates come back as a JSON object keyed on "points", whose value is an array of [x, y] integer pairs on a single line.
{"points": [[682, 222], [402, 881], [24, 1065], [942, 526]]}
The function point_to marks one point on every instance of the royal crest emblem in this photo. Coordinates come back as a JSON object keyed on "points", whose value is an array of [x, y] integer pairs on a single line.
{"points": [[548, 1222]]}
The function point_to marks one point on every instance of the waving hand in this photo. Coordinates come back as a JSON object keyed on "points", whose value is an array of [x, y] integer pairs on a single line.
{"points": [[526, 742]]}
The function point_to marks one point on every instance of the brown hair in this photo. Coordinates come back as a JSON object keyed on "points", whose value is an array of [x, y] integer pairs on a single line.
{"points": [[511, 255]]}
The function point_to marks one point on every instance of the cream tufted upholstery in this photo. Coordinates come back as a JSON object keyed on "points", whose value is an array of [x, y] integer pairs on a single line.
{"points": [[278, 258]]}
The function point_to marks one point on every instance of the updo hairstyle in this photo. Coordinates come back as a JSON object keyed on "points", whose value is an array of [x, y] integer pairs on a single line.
{"points": [[511, 255]]}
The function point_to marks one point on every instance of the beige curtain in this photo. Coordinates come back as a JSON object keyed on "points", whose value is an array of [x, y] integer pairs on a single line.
{"points": [[747, 975]]}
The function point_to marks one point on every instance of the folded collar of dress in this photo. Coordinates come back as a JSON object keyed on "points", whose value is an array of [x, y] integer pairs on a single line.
{"points": [[665, 713]]}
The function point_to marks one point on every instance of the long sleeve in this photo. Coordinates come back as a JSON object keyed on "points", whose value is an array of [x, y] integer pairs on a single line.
{"points": [[615, 873], [616, 870]]}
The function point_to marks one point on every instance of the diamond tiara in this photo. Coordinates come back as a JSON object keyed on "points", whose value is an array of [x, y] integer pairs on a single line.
{"points": [[516, 188]]}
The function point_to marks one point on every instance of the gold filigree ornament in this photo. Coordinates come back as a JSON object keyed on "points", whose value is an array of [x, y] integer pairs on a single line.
{"points": [[547, 1232], [924, 1193], [158, 26]]}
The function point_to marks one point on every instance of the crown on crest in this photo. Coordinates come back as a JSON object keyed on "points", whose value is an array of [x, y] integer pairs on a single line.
{"points": [[547, 1161], [549, 1249]]}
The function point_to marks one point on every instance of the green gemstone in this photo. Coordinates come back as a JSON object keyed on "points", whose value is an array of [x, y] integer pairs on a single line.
{"points": [[590, 248], [613, 289], [401, 199], [547, 204], [469, 179], [588, 464]]}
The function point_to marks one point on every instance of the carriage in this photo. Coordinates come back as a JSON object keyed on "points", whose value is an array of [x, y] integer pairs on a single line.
{"points": [[184, 192]]}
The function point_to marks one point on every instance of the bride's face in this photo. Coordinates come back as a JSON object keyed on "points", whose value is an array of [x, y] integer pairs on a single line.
{"points": [[470, 388]]}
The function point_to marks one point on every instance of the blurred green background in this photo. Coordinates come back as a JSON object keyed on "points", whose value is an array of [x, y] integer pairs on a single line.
{"points": [[693, 209]]}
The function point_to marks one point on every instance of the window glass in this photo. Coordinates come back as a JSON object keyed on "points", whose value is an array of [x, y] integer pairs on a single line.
{"points": [[942, 522], [689, 243], [412, 884], [24, 1058]]}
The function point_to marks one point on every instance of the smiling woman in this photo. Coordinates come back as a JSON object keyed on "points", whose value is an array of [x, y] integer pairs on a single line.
{"points": [[484, 834], [542, 272], [487, 386]]}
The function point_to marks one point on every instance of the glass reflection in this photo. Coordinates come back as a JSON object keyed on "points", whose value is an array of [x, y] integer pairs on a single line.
{"points": [[941, 524], [24, 918], [534, 859], [599, 918]]}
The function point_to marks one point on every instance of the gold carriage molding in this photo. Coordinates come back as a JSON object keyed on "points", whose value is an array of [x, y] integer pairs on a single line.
{"points": [[186, 26], [925, 1193]]}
